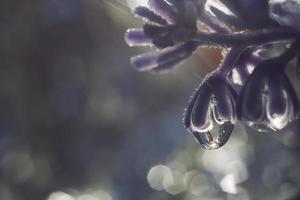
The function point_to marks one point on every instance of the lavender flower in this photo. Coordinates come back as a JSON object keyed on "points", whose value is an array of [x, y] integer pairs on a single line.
{"points": [[266, 99], [244, 67], [243, 16], [170, 26], [286, 13], [211, 114]]}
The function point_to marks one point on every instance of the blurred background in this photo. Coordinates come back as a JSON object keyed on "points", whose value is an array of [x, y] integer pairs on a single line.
{"points": [[78, 123]]}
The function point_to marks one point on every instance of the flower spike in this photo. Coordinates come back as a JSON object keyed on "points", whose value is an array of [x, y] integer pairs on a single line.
{"points": [[250, 85]]}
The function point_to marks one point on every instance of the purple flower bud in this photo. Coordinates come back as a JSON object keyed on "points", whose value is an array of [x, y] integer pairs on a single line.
{"points": [[229, 20], [137, 37], [170, 27], [268, 101], [286, 13], [244, 16], [163, 9], [159, 59], [149, 15], [210, 114], [244, 66]]}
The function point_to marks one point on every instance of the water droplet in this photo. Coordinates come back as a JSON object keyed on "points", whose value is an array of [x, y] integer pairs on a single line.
{"points": [[262, 127], [216, 137]]}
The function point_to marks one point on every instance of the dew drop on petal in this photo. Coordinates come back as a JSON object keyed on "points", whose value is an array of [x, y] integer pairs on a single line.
{"points": [[262, 127], [216, 137]]}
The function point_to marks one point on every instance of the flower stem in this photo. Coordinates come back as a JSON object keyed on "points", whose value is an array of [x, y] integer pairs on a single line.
{"points": [[246, 38], [229, 61]]}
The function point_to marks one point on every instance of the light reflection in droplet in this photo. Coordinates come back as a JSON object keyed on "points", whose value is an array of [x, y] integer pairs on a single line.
{"points": [[216, 137], [232, 157], [236, 77], [60, 196], [250, 68]]}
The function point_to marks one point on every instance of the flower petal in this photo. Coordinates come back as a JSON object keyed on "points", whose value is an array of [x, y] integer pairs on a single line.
{"points": [[136, 37], [201, 120], [227, 19], [149, 15], [294, 101], [149, 61], [153, 30], [244, 67], [163, 9], [286, 12], [251, 101], [223, 99], [276, 101], [277, 104]]}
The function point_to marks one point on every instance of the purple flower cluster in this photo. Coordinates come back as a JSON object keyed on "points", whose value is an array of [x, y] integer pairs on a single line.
{"points": [[250, 85]]}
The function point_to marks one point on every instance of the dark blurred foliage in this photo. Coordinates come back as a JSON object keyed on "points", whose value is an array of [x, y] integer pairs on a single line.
{"points": [[77, 122]]}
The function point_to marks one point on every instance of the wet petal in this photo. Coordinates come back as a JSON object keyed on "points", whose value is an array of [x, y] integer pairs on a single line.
{"points": [[223, 99], [201, 120], [262, 126], [163, 9], [190, 15], [251, 101], [277, 104], [213, 23], [243, 10], [286, 12], [276, 100], [189, 109], [227, 19], [233, 6], [154, 31], [148, 61], [292, 96], [163, 41], [149, 15], [136, 37], [170, 64], [223, 103], [244, 67]]}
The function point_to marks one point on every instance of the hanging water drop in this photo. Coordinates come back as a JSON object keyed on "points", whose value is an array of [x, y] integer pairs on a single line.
{"points": [[216, 137], [262, 127]]}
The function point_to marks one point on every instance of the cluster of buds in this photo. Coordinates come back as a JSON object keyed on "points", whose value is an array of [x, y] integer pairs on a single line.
{"points": [[250, 84]]}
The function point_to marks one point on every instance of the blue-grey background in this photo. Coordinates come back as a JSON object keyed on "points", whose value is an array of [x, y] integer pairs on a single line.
{"points": [[78, 123]]}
